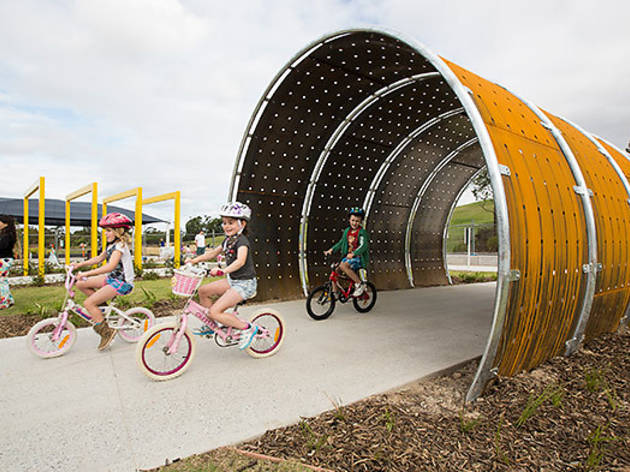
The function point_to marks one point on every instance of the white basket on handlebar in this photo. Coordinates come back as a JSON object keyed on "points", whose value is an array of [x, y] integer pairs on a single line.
{"points": [[184, 284]]}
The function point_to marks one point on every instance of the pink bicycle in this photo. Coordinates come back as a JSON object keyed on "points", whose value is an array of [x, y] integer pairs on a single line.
{"points": [[53, 337], [167, 350]]}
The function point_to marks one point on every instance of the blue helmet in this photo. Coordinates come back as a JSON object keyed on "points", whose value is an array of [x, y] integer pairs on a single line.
{"points": [[358, 211]]}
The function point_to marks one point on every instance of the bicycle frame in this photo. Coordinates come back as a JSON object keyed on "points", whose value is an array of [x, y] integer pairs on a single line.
{"points": [[334, 280], [228, 334], [70, 306]]}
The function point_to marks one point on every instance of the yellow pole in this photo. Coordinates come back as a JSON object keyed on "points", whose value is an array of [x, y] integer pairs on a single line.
{"points": [[176, 235], [138, 230], [67, 232], [42, 210], [94, 234], [103, 238], [25, 245]]}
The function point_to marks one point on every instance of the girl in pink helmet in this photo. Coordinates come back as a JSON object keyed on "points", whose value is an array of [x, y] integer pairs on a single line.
{"points": [[240, 283], [114, 278]]}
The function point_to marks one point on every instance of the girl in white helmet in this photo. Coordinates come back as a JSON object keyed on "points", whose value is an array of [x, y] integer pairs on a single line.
{"points": [[240, 283]]}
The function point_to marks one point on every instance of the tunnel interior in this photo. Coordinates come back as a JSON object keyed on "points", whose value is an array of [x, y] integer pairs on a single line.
{"points": [[365, 118]]}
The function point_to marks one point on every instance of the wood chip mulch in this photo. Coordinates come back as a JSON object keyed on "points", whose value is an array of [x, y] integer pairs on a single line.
{"points": [[18, 325], [571, 414]]}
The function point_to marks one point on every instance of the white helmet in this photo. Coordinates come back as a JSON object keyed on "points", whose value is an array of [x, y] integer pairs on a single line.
{"points": [[236, 210]]}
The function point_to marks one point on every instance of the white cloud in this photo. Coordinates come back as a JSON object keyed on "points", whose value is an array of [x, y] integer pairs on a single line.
{"points": [[157, 93]]}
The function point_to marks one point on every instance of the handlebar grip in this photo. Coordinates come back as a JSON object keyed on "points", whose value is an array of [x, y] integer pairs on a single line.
{"points": [[220, 273]]}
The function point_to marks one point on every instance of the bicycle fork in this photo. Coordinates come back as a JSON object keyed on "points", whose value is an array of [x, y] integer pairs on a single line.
{"points": [[173, 344]]}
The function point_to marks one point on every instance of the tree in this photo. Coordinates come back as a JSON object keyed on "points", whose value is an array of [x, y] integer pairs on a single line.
{"points": [[198, 223], [482, 189]]}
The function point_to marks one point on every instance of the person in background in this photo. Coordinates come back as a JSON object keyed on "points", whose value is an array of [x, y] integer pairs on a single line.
{"points": [[200, 242], [8, 238]]}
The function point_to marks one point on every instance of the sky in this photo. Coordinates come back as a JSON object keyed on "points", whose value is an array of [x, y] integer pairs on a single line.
{"points": [[158, 93]]}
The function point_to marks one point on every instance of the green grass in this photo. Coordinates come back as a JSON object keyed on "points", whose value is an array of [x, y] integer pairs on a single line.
{"points": [[31, 300], [479, 213]]}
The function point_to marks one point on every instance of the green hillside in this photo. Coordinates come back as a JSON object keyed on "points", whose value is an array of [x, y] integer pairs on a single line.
{"points": [[477, 213]]}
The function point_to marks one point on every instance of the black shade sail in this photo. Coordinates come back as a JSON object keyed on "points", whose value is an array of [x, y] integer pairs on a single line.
{"points": [[80, 212]]}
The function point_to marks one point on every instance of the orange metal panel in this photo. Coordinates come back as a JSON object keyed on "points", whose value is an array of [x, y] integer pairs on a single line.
{"points": [[548, 236]]}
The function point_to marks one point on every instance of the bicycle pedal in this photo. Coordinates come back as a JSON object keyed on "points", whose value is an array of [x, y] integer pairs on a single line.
{"points": [[203, 331]]}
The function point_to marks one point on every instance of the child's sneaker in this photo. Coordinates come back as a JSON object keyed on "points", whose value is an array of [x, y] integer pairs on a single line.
{"points": [[358, 290], [247, 336], [205, 330], [106, 333]]}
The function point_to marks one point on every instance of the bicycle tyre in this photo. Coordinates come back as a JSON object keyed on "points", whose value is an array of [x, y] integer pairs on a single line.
{"points": [[363, 305], [271, 320], [320, 296], [154, 362], [130, 333], [39, 340]]}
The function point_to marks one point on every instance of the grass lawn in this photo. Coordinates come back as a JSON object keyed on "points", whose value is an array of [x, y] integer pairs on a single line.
{"points": [[36, 300]]}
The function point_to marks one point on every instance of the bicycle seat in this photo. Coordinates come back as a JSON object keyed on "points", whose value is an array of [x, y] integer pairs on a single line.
{"points": [[243, 302]]}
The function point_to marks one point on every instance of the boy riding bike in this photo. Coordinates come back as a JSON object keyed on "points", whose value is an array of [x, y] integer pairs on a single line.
{"points": [[354, 245]]}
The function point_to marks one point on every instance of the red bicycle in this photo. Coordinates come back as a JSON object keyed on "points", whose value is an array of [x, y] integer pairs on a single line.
{"points": [[321, 301]]}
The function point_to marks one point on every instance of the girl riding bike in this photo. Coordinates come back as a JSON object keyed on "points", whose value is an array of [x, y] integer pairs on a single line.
{"points": [[240, 283], [112, 279]]}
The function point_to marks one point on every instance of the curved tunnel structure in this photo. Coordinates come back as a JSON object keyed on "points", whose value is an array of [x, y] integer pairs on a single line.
{"points": [[369, 118]]}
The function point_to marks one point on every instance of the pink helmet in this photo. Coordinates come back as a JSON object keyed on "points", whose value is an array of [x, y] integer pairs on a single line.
{"points": [[115, 220]]}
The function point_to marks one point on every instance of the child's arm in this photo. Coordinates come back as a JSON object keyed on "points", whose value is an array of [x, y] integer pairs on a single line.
{"points": [[209, 255], [107, 268], [337, 246], [363, 245], [94, 260]]}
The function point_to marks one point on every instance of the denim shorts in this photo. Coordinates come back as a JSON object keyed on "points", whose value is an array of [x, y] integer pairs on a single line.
{"points": [[246, 288], [354, 263], [121, 287]]}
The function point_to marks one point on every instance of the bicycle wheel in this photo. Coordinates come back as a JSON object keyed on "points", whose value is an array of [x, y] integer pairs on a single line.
{"points": [[320, 302], [365, 302], [272, 322], [152, 356], [142, 319], [39, 338]]}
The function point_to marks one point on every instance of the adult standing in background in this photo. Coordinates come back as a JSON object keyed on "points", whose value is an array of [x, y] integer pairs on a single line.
{"points": [[200, 241], [8, 238]]}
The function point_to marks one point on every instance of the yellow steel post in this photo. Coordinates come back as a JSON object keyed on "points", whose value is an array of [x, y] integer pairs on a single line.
{"points": [[25, 235], [176, 197], [67, 238], [93, 187], [38, 185]]}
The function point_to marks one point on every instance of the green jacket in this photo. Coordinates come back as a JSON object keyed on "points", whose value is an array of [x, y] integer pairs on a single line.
{"points": [[362, 249]]}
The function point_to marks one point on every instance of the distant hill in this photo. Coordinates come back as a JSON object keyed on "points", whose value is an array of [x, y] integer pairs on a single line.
{"points": [[477, 213]]}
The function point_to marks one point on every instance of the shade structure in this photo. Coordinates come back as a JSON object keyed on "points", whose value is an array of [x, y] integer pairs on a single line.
{"points": [[80, 212], [371, 118]]}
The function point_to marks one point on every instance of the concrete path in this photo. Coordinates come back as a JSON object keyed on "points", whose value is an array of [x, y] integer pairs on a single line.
{"points": [[97, 411]]}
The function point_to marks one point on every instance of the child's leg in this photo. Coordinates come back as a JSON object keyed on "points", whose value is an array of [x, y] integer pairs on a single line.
{"points": [[230, 298], [99, 297], [213, 289], [91, 284], [345, 266]]}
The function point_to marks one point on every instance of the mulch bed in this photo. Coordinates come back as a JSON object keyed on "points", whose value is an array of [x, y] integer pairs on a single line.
{"points": [[569, 414], [18, 325]]}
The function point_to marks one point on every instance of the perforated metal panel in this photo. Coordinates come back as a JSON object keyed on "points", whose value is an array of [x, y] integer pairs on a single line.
{"points": [[363, 118]]}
